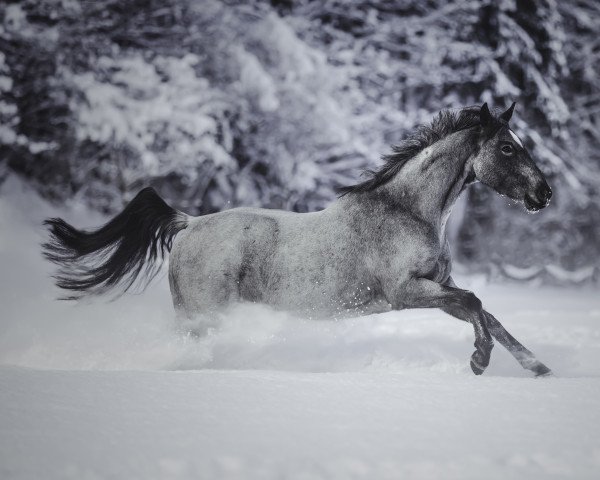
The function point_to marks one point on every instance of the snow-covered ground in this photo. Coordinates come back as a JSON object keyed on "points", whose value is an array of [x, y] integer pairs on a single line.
{"points": [[111, 390]]}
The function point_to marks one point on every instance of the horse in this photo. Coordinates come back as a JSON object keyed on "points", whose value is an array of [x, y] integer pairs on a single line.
{"points": [[381, 245]]}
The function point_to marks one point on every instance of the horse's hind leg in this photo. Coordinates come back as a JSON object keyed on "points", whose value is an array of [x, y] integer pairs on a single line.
{"points": [[198, 305], [423, 293]]}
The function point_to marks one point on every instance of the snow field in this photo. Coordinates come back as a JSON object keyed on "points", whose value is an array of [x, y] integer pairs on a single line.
{"points": [[275, 424]]}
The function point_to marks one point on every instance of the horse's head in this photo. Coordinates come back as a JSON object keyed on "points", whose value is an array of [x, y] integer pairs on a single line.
{"points": [[504, 164]]}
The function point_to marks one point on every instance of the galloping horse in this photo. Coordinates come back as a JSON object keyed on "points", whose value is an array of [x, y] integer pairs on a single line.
{"points": [[381, 245]]}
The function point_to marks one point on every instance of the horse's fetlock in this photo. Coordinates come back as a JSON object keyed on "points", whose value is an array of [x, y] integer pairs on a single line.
{"points": [[484, 344]]}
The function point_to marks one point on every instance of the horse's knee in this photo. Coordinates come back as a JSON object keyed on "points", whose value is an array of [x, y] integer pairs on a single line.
{"points": [[471, 302]]}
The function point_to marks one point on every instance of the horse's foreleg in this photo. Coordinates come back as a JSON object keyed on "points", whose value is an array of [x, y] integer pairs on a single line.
{"points": [[516, 349], [423, 293], [525, 357]]}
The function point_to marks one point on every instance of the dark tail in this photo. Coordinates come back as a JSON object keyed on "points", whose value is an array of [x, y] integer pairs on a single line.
{"points": [[131, 246]]}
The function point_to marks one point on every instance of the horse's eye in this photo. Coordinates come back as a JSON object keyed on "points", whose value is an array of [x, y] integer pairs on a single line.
{"points": [[507, 149]]}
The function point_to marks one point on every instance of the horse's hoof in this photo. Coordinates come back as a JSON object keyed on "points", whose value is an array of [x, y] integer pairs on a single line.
{"points": [[477, 369], [542, 370], [479, 361]]}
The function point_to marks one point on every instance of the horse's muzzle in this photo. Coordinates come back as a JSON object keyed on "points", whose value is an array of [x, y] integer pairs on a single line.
{"points": [[540, 199]]}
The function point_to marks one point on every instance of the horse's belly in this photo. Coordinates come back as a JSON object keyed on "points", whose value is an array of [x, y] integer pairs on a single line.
{"points": [[326, 296]]}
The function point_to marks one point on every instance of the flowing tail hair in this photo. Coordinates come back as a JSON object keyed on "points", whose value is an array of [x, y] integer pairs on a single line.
{"points": [[130, 246]]}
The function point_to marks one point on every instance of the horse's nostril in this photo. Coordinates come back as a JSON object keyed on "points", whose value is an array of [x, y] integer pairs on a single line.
{"points": [[544, 193]]}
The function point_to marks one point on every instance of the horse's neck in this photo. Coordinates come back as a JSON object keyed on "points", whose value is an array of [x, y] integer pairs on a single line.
{"points": [[429, 184]]}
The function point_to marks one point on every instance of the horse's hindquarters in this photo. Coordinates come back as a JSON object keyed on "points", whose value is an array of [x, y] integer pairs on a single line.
{"points": [[221, 259]]}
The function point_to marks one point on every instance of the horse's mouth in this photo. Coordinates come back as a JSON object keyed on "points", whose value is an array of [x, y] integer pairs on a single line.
{"points": [[532, 205]]}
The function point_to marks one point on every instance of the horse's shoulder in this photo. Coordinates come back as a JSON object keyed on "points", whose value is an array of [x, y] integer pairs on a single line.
{"points": [[420, 231]]}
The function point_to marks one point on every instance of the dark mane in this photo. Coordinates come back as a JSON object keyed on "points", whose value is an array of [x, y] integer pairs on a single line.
{"points": [[444, 123]]}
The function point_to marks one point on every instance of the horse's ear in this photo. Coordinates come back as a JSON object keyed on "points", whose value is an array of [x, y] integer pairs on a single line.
{"points": [[485, 117], [506, 115]]}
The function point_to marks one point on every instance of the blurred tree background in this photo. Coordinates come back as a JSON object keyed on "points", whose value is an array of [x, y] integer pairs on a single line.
{"points": [[226, 103]]}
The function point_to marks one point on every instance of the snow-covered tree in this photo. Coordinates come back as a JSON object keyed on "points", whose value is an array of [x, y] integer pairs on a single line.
{"points": [[219, 104]]}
